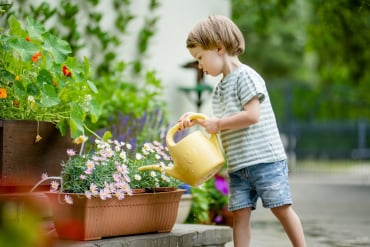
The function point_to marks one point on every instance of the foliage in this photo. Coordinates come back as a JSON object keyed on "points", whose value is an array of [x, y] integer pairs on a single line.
{"points": [[316, 48], [343, 57], [150, 126], [211, 196], [89, 33], [20, 227], [116, 96], [273, 36], [110, 169], [40, 81]]}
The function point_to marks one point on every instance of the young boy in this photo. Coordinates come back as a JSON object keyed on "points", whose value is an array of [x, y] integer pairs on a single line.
{"points": [[246, 123]]}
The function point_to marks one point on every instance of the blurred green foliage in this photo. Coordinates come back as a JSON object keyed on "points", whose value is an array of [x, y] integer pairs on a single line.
{"points": [[317, 50]]}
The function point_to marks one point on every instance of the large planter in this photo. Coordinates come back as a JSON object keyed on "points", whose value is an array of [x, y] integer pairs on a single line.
{"points": [[22, 160], [184, 208], [88, 219]]}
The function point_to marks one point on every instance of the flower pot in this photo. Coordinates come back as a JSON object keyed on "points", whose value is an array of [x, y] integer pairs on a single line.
{"points": [[22, 161], [184, 208], [88, 219]]}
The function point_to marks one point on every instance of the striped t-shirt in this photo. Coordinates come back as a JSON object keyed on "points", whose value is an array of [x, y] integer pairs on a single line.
{"points": [[258, 143]]}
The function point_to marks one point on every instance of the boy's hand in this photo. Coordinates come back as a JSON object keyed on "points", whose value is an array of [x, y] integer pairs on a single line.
{"points": [[185, 122], [210, 125]]}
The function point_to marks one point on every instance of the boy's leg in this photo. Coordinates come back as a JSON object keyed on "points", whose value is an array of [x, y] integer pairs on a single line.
{"points": [[241, 227], [291, 223]]}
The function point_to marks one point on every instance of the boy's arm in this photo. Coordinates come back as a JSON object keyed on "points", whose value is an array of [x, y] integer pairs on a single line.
{"points": [[240, 120]]}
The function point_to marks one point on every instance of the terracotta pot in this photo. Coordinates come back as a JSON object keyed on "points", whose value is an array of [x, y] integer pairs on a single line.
{"points": [[22, 161], [88, 219]]}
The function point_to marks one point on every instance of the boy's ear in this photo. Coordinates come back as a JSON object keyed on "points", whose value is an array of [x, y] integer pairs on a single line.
{"points": [[221, 49]]}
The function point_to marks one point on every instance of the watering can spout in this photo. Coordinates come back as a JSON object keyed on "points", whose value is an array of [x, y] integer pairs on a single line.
{"points": [[196, 157]]}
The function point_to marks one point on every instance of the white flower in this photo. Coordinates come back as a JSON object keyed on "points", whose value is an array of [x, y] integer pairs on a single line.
{"points": [[123, 155], [137, 177], [139, 156], [90, 165], [31, 99]]}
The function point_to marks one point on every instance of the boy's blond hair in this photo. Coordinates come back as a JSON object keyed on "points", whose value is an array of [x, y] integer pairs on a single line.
{"points": [[215, 30]]}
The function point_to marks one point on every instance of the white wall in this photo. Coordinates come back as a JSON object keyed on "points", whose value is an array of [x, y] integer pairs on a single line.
{"points": [[168, 53]]}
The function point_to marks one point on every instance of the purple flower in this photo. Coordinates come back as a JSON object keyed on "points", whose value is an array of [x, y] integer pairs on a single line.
{"points": [[221, 184]]}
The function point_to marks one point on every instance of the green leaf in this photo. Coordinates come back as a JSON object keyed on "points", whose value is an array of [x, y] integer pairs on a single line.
{"points": [[16, 27], [62, 126], [25, 49], [44, 77], [32, 89], [92, 86], [107, 135], [19, 89], [57, 47], [49, 96], [34, 28], [77, 116], [94, 111], [6, 76], [76, 68]]}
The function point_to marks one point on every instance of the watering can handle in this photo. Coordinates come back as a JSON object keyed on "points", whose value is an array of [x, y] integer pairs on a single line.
{"points": [[174, 129]]}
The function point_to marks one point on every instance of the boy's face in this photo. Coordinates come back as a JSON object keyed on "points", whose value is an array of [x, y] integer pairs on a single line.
{"points": [[210, 61]]}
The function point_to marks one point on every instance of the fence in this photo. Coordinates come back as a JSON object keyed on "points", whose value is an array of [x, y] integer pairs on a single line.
{"points": [[327, 140]]}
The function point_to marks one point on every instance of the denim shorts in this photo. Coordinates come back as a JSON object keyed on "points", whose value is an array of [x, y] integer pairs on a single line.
{"points": [[268, 181]]}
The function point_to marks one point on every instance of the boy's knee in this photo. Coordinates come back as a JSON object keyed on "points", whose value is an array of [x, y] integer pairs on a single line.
{"points": [[281, 210]]}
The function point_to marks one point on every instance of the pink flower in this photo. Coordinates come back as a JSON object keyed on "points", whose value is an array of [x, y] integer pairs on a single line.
{"points": [[44, 176], [88, 171], [88, 194], [120, 195], [104, 194], [71, 152], [68, 199], [54, 186], [93, 189]]}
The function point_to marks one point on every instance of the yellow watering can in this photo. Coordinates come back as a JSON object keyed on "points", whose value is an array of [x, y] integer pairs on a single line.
{"points": [[196, 157]]}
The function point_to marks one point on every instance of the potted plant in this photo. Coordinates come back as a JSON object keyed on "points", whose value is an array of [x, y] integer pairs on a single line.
{"points": [[45, 93], [39, 80], [95, 194], [210, 201]]}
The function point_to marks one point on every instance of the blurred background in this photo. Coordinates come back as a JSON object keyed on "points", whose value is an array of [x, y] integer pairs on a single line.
{"points": [[314, 56]]}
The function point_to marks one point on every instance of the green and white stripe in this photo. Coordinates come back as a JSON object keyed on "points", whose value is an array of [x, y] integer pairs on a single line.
{"points": [[259, 143]]}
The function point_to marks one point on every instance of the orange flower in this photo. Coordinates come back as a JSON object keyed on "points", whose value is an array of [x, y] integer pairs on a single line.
{"points": [[3, 94], [16, 103], [17, 78], [28, 39], [66, 71], [36, 56]]}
